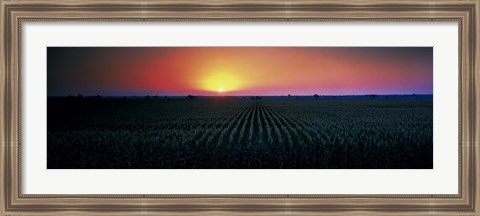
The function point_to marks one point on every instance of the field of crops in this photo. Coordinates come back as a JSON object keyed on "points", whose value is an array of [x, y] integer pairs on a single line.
{"points": [[239, 133]]}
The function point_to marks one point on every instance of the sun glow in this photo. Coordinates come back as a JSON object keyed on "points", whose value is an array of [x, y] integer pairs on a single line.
{"points": [[221, 81]]}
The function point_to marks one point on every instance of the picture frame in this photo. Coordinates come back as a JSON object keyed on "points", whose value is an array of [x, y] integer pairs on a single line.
{"points": [[13, 13]]}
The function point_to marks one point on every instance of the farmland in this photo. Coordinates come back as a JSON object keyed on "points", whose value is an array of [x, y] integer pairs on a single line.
{"points": [[239, 133]]}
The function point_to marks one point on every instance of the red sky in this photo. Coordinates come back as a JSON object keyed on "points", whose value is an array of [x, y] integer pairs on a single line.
{"points": [[239, 70]]}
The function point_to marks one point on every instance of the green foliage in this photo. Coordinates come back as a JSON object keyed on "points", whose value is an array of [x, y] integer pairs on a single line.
{"points": [[239, 133]]}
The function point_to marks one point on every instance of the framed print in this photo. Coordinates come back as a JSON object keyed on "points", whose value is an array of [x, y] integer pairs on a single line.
{"points": [[239, 108]]}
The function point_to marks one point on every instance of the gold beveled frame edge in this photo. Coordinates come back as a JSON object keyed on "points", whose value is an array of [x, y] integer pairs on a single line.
{"points": [[28, 203]]}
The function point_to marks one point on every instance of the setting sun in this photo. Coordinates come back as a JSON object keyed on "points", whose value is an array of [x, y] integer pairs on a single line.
{"points": [[240, 71], [221, 80]]}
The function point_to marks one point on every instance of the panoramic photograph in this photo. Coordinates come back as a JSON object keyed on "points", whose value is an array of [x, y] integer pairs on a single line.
{"points": [[240, 107]]}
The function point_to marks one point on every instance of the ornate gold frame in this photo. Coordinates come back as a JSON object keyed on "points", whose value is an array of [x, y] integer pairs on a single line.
{"points": [[14, 12]]}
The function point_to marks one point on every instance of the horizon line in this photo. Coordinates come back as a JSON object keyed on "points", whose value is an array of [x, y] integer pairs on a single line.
{"points": [[222, 95]]}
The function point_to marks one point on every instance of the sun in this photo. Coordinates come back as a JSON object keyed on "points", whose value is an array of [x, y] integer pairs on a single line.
{"points": [[221, 80]]}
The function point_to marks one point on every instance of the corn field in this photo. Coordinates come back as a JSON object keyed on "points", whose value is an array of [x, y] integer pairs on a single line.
{"points": [[239, 133]]}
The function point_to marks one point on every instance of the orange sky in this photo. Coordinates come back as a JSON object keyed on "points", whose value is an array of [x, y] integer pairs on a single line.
{"points": [[239, 71]]}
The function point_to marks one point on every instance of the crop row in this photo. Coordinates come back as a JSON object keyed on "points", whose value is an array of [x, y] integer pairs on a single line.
{"points": [[209, 133]]}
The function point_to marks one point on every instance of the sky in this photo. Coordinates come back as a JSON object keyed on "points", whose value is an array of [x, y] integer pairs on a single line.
{"points": [[238, 71]]}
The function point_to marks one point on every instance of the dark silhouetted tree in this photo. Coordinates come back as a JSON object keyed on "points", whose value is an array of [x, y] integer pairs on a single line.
{"points": [[316, 96]]}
